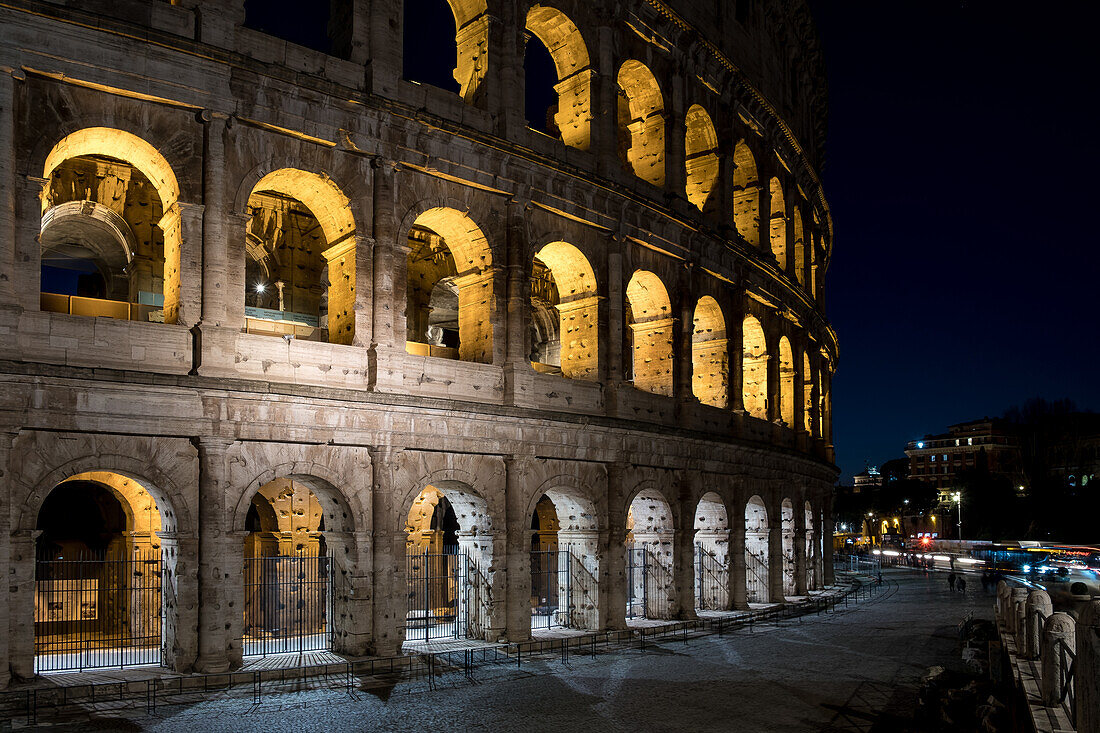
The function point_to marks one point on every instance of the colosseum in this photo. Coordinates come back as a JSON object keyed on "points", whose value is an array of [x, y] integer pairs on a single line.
{"points": [[352, 346]]}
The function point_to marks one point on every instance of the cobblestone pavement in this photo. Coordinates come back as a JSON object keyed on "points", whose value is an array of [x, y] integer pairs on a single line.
{"points": [[855, 670]]}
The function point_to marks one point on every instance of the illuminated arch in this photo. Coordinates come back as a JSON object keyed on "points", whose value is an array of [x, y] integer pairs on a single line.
{"points": [[308, 303], [799, 248], [786, 382], [710, 354], [573, 286], [787, 530], [471, 40], [746, 194], [650, 541], [641, 122], [711, 553], [649, 322], [754, 369], [701, 149], [147, 160], [756, 550], [567, 48], [809, 421], [564, 518], [449, 270], [778, 236]]}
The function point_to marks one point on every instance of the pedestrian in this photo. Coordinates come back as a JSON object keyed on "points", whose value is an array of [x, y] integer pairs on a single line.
{"points": [[962, 585], [951, 581]]}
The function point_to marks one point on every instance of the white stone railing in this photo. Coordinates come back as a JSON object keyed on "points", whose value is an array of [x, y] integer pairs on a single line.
{"points": [[1055, 657]]}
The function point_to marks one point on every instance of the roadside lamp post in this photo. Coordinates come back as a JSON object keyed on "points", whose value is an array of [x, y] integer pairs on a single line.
{"points": [[957, 496]]}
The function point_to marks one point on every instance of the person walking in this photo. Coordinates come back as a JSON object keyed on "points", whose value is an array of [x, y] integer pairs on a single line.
{"points": [[951, 581], [961, 584]]}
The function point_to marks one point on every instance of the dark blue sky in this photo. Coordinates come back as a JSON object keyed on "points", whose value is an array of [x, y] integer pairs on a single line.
{"points": [[962, 175]]}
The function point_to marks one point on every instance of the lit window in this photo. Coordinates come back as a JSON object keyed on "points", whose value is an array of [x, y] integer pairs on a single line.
{"points": [[933, 458], [970, 441]]}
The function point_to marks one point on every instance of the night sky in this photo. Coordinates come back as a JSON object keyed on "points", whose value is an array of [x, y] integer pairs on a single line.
{"points": [[962, 175]]}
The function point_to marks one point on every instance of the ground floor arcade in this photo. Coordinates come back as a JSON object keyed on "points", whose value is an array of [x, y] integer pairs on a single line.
{"points": [[197, 553]]}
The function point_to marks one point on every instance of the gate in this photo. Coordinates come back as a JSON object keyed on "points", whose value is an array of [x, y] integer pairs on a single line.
{"points": [[711, 581], [551, 591], [447, 596], [98, 610], [648, 582], [287, 604], [756, 578]]}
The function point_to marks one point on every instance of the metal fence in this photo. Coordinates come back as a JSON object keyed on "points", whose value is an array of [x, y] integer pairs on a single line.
{"points": [[447, 596], [756, 577], [711, 581], [856, 564], [648, 582], [287, 604], [98, 610], [551, 588]]}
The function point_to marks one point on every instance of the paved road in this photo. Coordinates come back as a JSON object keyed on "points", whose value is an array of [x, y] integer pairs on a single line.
{"points": [[852, 671]]}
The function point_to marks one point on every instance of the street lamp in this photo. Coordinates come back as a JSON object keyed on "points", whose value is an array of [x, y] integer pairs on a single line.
{"points": [[957, 497]]}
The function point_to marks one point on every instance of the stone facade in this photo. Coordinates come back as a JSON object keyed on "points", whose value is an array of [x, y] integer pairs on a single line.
{"points": [[187, 160]]}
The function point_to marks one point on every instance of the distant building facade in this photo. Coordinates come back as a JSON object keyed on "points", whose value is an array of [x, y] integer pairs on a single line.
{"points": [[938, 459]]}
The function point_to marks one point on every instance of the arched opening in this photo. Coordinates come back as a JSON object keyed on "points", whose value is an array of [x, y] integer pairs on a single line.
{"points": [[787, 530], [786, 382], [811, 549], [701, 149], [756, 550], [565, 550], [746, 195], [309, 25], [778, 224], [564, 110], [754, 369], [429, 39], [564, 313], [810, 422], [300, 261], [710, 354], [799, 248], [288, 572], [110, 233], [649, 331], [447, 553], [100, 576], [649, 546], [450, 288], [641, 122], [711, 554]]}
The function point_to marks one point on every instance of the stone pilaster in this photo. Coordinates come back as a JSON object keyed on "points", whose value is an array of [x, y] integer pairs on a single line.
{"points": [[683, 549], [386, 356], [214, 571], [518, 551], [738, 582], [775, 555], [800, 574], [6, 438], [390, 590], [7, 190], [21, 603], [612, 590], [215, 254]]}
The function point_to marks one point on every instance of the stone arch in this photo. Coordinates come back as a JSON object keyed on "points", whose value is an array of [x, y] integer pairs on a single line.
{"points": [[746, 194], [754, 369], [756, 549], [313, 293], [711, 553], [649, 324], [786, 514], [573, 581], [649, 550], [786, 382], [710, 354], [472, 22], [445, 582], [701, 155], [778, 237], [809, 421], [641, 122], [571, 291], [450, 286], [120, 145], [339, 514], [563, 40], [799, 247]]}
